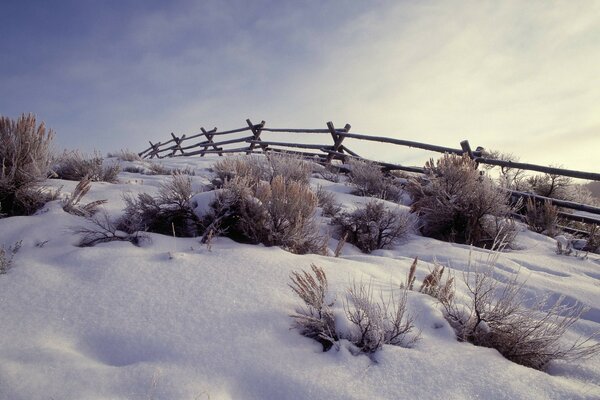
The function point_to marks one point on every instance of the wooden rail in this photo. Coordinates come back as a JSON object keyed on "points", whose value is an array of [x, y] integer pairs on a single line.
{"points": [[338, 150]]}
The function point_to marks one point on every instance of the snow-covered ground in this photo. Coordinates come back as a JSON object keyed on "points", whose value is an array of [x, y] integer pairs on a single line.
{"points": [[174, 320]]}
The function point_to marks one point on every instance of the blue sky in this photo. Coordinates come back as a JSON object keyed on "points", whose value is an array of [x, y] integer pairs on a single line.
{"points": [[516, 76]]}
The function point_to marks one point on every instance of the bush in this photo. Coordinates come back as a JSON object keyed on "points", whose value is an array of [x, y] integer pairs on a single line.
{"points": [[542, 218], [25, 161], [495, 316], [258, 168], [126, 155], [327, 201], [280, 213], [74, 166], [7, 255], [376, 324], [373, 226], [550, 185], [369, 180], [168, 213], [455, 203], [373, 324], [101, 229], [71, 203], [315, 320]]}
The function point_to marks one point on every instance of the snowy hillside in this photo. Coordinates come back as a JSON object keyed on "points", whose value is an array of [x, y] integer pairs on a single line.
{"points": [[175, 319]]}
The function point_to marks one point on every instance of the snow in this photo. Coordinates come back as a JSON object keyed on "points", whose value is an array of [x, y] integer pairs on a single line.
{"points": [[117, 321]]}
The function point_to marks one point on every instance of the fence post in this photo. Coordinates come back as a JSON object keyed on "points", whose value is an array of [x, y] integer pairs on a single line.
{"points": [[467, 148], [337, 140], [154, 148], [256, 131], [209, 139], [177, 144]]}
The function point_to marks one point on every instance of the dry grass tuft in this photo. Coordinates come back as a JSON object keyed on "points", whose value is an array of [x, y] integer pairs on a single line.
{"points": [[25, 158], [75, 166]]}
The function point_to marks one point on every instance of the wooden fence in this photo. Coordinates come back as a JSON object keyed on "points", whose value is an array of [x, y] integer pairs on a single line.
{"points": [[248, 140]]}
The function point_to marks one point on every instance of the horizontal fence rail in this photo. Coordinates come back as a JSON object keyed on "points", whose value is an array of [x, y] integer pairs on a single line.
{"points": [[326, 153]]}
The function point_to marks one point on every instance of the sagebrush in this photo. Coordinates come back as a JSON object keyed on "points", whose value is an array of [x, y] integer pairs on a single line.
{"points": [[495, 315], [374, 226], [25, 158], [75, 166], [456, 203], [276, 213]]}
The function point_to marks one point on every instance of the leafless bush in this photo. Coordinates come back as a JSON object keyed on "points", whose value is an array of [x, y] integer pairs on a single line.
{"points": [[125, 155], [170, 210], [258, 168], [551, 185], [495, 316], [454, 200], [593, 240], [369, 180], [6, 256], [315, 320], [435, 286], [510, 178], [74, 166], [329, 173], [326, 200], [542, 217], [373, 226], [279, 213], [378, 323], [375, 323], [101, 229], [24, 164], [291, 167], [134, 169], [155, 168], [71, 203], [252, 168]]}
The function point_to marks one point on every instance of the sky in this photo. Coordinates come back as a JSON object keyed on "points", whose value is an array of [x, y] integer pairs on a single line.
{"points": [[517, 76]]}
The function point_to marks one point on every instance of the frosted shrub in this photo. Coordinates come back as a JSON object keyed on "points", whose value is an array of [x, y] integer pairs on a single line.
{"points": [[290, 167], [454, 203], [435, 286], [373, 323], [126, 155], [170, 210], [327, 201], [373, 226], [101, 229], [542, 218], [315, 319], [550, 185], [369, 180], [495, 316], [258, 168], [24, 164], [72, 203], [378, 323], [74, 166], [6, 256], [279, 213]]}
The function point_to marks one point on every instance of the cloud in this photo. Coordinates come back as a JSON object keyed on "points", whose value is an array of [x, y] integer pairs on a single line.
{"points": [[519, 77]]}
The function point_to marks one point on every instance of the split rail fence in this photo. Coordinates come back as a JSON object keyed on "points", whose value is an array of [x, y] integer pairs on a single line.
{"points": [[248, 140]]}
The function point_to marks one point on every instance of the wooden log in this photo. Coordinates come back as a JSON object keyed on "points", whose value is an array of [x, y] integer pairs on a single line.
{"points": [[337, 139], [222, 132], [256, 130], [347, 150], [209, 138], [408, 143], [559, 203], [177, 144], [236, 150], [288, 130], [548, 170], [287, 144], [385, 166], [466, 147]]}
